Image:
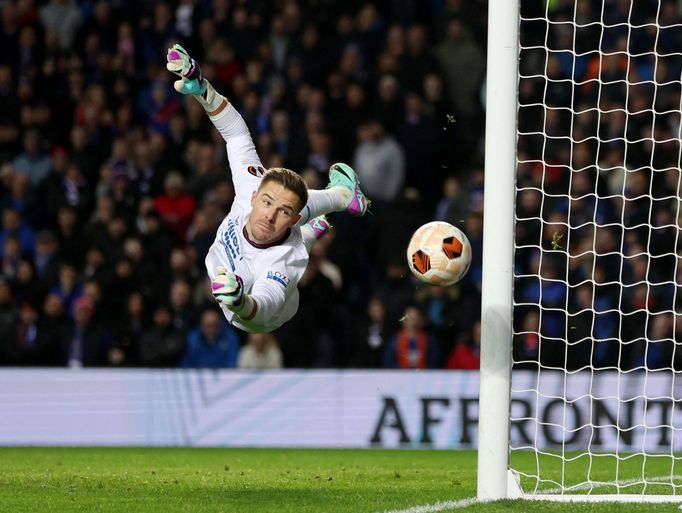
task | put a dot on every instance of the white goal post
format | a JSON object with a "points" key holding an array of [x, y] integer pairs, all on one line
{"points": [[498, 244], [581, 319]]}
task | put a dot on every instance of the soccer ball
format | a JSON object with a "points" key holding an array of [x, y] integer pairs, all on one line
{"points": [[439, 253]]}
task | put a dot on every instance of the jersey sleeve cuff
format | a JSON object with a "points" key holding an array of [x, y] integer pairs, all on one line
{"points": [[248, 310]]}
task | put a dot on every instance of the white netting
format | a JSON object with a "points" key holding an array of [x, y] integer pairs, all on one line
{"points": [[597, 323]]}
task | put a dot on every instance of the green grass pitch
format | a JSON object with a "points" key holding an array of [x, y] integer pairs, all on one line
{"points": [[254, 481]]}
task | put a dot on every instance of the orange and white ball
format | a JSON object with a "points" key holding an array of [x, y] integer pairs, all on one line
{"points": [[439, 253]]}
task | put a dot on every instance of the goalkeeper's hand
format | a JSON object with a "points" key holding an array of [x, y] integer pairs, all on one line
{"points": [[179, 62], [191, 80], [228, 290]]}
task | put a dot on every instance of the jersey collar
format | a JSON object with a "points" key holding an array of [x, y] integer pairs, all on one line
{"points": [[257, 245]]}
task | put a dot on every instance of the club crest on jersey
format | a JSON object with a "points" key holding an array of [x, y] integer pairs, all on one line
{"points": [[278, 277], [256, 171]]}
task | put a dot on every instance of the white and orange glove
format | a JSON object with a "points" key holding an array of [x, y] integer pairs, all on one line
{"points": [[191, 80]]}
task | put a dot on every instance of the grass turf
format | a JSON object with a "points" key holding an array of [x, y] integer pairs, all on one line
{"points": [[251, 481]]}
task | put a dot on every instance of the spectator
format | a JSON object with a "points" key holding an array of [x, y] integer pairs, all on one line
{"points": [[200, 234], [100, 24], [28, 287], [205, 171], [388, 108], [69, 286], [117, 183], [443, 313], [130, 328], [64, 17], [22, 198], [21, 343], [463, 65], [660, 346], [156, 104], [526, 342], [46, 258], [416, 62], [593, 336], [157, 241], [466, 355], [162, 345], [87, 343], [54, 328], [148, 282], [70, 240], [453, 205], [176, 207], [34, 161], [412, 347], [183, 311], [417, 134], [550, 293], [394, 225], [51, 188], [396, 292], [261, 351], [11, 256], [9, 109], [373, 337], [84, 153], [380, 162], [14, 226], [9, 314], [97, 267], [473, 228], [346, 118], [213, 345]]}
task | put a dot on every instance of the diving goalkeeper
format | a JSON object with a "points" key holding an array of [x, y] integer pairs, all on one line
{"points": [[261, 249]]}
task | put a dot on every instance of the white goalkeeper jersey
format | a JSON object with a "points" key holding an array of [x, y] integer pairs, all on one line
{"points": [[270, 272]]}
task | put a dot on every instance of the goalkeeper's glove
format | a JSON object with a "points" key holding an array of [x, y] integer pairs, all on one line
{"points": [[228, 290], [191, 80]]}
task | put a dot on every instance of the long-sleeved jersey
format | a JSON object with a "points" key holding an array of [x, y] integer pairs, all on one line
{"points": [[270, 273]]}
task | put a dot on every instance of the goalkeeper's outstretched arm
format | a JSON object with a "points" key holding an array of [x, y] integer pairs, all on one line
{"points": [[241, 151], [258, 311]]}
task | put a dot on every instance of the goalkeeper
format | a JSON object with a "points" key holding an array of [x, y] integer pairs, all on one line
{"points": [[261, 249]]}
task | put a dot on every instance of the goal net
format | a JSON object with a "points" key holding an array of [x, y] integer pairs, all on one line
{"points": [[596, 391]]}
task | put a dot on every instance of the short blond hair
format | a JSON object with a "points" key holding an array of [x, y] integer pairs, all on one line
{"points": [[289, 179]]}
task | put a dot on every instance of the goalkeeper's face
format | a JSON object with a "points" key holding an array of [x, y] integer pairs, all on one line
{"points": [[275, 210]]}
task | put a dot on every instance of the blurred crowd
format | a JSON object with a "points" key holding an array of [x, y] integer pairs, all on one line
{"points": [[112, 184], [599, 186]]}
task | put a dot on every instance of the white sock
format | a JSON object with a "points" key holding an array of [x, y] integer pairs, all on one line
{"points": [[308, 236], [325, 201]]}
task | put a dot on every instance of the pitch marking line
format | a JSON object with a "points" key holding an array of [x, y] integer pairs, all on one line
{"points": [[438, 506], [464, 503], [622, 482]]}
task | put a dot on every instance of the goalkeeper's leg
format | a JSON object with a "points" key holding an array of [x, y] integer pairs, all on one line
{"points": [[314, 230], [342, 194]]}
